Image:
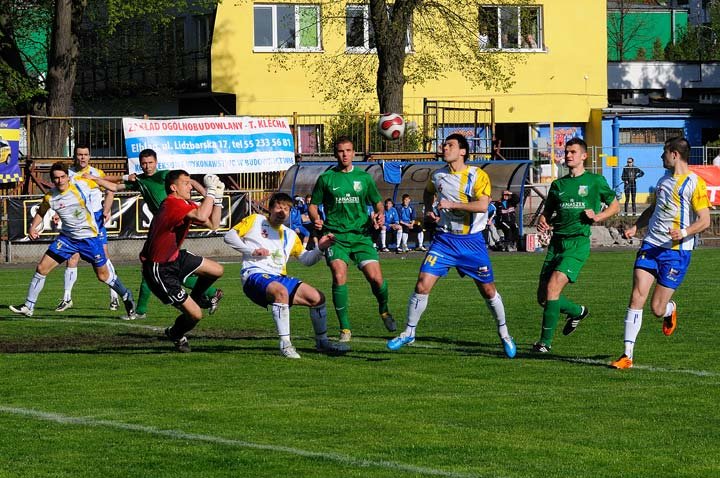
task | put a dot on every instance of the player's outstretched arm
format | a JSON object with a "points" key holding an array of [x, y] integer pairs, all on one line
{"points": [[104, 182], [309, 258]]}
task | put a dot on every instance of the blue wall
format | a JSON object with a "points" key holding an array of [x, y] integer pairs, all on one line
{"points": [[647, 156]]}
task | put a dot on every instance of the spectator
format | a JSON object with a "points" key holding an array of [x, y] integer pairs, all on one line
{"points": [[630, 174], [508, 219], [392, 223], [409, 224], [496, 146], [492, 238]]}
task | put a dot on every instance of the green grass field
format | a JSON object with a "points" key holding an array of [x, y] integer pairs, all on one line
{"points": [[87, 395]]}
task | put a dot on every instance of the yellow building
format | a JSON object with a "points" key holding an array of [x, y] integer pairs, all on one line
{"points": [[560, 79]]}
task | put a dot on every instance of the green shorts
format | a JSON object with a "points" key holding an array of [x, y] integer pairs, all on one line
{"points": [[352, 247], [566, 255]]}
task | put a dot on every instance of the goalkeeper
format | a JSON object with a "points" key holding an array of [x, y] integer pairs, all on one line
{"points": [[164, 264], [151, 185]]}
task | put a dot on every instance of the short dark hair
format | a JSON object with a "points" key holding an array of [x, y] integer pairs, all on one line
{"points": [[58, 166], [680, 145], [405, 196], [146, 153], [462, 142], [280, 197], [340, 140], [579, 141], [172, 177], [80, 146]]}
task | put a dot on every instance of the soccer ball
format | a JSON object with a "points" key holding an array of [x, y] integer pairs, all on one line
{"points": [[391, 126]]}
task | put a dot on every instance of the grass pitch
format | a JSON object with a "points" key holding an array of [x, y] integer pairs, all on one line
{"points": [[84, 394]]}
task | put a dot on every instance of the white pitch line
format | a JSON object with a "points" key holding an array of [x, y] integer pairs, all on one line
{"points": [[181, 435], [647, 368]]}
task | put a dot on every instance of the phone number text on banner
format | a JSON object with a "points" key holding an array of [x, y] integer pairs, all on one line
{"points": [[212, 145]]}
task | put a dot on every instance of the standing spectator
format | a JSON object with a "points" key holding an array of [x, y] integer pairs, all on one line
{"points": [[75, 206], [680, 211], [574, 203], [392, 223], [345, 191], [464, 193], [507, 216], [630, 174], [496, 147], [409, 223]]}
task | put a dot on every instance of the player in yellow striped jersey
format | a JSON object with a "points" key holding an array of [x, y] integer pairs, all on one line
{"points": [[102, 209], [266, 245], [681, 211], [463, 194], [78, 234]]}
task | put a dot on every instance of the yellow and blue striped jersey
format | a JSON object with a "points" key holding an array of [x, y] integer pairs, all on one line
{"points": [[464, 186], [75, 208], [678, 198], [95, 190], [282, 242]]}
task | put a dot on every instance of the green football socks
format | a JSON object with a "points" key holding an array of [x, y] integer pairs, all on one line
{"points": [[382, 295], [340, 301], [551, 316], [569, 307]]}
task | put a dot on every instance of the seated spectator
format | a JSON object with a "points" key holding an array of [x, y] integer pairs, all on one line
{"points": [[392, 223], [409, 224], [492, 237], [296, 223]]}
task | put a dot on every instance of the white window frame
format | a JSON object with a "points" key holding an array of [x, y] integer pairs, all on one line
{"points": [[539, 41], [274, 47], [365, 8]]}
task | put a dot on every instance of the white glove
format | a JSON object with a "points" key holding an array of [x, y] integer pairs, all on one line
{"points": [[219, 192], [211, 181]]}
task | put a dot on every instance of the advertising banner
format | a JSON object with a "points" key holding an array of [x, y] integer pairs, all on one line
{"points": [[9, 150], [131, 217], [711, 175], [218, 145]]}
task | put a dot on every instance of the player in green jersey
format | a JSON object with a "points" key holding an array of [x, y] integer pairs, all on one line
{"points": [[345, 192], [573, 204], [151, 185]]}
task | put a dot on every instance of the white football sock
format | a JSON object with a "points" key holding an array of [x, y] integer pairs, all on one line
{"points": [[281, 315], [36, 286], [416, 306], [70, 278], [111, 267], [398, 239], [421, 238], [669, 308], [404, 240], [633, 322], [497, 309], [383, 237]]}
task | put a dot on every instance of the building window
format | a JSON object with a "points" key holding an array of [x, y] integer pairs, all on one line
{"points": [[511, 28], [285, 27], [359, 34], [648, 135]]}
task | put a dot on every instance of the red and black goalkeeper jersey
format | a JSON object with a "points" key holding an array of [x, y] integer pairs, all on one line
{"points": [[168, 230]]}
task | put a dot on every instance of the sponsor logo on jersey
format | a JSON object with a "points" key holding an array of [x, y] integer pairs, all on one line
{"points": [[357, 186], [583, 190], [347, 199], [573, 205]]}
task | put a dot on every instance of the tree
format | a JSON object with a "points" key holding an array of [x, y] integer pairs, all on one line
{"points": [[450, 41], [641, 54], [658, 53], [626, 30], [49, 93]]}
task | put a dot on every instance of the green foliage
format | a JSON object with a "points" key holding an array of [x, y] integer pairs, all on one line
{"points": [[641, 54], [658, 53], [451, 405]]}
